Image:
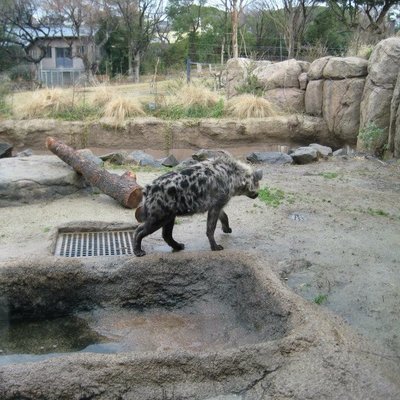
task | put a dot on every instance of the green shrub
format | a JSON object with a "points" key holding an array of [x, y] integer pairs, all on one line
{"points": [[250, 86], [371, 135]]}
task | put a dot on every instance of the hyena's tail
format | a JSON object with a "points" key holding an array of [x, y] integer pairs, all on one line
{"points": [[140, 213]]}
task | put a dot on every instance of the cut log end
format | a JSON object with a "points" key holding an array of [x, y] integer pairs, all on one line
{"points": [[134, 198]]}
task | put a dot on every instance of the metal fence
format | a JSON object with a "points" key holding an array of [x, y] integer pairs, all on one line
{"points": [[61, 77]]}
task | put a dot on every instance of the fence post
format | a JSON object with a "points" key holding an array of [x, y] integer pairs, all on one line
{"points": [[188, 70]]}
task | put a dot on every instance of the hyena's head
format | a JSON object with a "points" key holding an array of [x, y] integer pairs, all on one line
{"points": [[250, 182]]}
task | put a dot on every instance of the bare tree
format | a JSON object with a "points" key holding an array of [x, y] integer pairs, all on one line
{"points": [[139, 19], [365, 18], [25, 25], [291, 18], [235, 9]]}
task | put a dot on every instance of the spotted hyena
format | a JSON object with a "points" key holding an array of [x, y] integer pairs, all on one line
{"points": [[205, 186]]}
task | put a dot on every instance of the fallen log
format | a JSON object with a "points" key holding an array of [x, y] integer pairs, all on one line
{"points": [[124, 188]]}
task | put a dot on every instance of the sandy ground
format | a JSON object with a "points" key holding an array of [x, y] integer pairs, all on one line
{"points": [[334, 238]]}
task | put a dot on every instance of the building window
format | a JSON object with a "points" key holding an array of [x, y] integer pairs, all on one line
{"points": [[63, 57], [80, 50], [47, 52]]}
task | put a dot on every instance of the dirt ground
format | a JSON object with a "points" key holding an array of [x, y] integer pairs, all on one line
{"points": [[334, 237]]}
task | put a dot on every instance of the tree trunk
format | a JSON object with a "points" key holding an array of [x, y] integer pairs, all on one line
{"points": [[235, 22], [136, 68], [123, 188]]}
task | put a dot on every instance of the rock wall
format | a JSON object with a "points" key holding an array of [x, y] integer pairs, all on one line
{"points": [[380, 102], [350, 94]]}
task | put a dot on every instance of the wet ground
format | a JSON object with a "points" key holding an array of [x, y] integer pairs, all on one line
{"points": [[333, 238]]}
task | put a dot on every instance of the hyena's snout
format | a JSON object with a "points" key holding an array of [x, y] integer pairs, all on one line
{"points": [[252, 192]]}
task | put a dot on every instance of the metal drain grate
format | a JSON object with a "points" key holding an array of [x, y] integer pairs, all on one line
{"points": [[93, 244]]}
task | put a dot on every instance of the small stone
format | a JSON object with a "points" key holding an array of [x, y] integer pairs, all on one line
{"points": [[88, 155], [117, 158], [143, 159], [305, 155], [169, 161], [323, 151]]}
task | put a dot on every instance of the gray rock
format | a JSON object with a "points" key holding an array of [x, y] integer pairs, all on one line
{"points": [[303, 80], [25, 153], [341, 107], [88, 155], [5, 150], [205, 154], [115, 157], [313, 97], [284, 74], [287, 99], [345, 67], [292, 341], [143, 159], [323, 151], [273, 157], [377, 107], [304, 155], [317, 67], [27, 179], [169, 161]]}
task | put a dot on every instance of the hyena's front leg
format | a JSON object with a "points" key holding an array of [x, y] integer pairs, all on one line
{"points": [[212, 219], [167, 236], [225, 222]]}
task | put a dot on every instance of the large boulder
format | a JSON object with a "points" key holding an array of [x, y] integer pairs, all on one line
{"points": [[283, 74], [376, 104], [341, 107], [269, 157], [288, 99], [235, 74], [394, 126], [26, 179], [345, 67], [313, 97], [317, 68]]}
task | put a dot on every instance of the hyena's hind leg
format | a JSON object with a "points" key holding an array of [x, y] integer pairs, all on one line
{"points": [[167, 235], [144, 230], [212, 219], [225, 222]]}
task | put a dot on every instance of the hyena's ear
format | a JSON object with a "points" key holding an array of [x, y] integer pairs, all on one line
{"points": [[258, 175]]}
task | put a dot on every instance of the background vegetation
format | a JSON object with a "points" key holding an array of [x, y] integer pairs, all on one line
{"points": [[133, 36]]}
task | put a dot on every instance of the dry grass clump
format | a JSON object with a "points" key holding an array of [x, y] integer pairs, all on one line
{"points": [[44, 102], [119, 108], [194, 96], [101, 96], [250, 106]]}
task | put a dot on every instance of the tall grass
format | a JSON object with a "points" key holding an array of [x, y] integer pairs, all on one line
{"points": [[250, 106], [43, 103], [118, 109]]}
